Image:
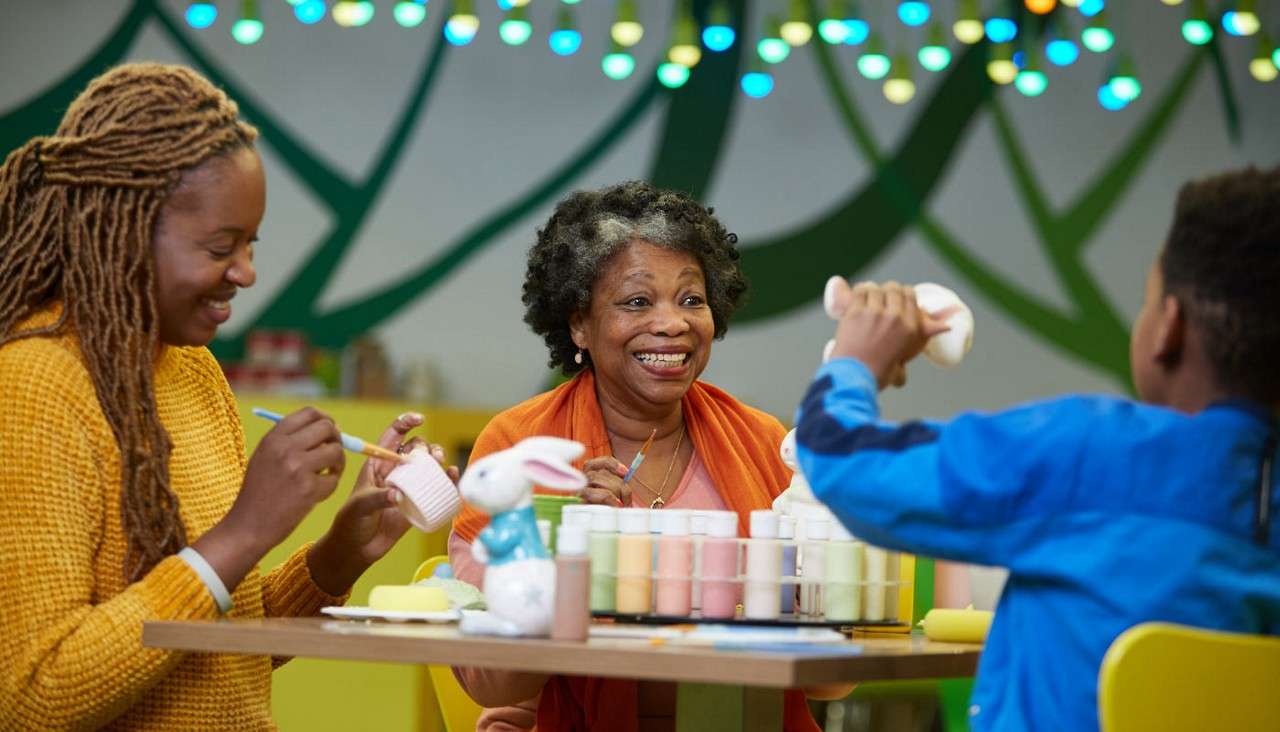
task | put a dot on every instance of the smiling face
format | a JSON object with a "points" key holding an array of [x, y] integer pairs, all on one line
{"points": [[649, 328], [203, 245]]}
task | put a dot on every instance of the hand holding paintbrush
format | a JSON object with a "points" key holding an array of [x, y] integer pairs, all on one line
{"points": [[608, 480]]}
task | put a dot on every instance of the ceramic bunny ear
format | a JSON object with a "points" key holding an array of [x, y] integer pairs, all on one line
{"points": [[549, 472], [835, 297], [567, 450], [828, 349]]}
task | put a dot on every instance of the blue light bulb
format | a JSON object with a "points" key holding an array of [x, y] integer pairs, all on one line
{"points": [[1108, 99], [718, 37], [201, 15], [1061, 52], [913, 13], [858, 31], [309, 12], [1090, 8], [1001, 30], [757, 84], [565, 42]]}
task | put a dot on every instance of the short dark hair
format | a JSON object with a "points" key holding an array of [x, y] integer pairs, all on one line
{"points": [[589, 227], [1222, 262]]}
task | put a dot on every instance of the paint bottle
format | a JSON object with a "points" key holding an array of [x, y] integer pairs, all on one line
{"points": [[573, 585], [720, 565], [842, 576], [876, 574], [697, 531], [576, 514], [635, 562], [813, 560], [787, 535], [764, 567], [655, 533], [603, 547], [675, 565]]}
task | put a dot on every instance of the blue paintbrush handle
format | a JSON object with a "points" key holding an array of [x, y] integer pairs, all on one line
{"points": [[350, 442]]}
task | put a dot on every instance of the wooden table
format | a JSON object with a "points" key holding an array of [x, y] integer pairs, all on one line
{"points": [[718, 689]]}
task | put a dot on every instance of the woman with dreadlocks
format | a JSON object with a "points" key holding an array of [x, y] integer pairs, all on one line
{"points": [[125, 494]]}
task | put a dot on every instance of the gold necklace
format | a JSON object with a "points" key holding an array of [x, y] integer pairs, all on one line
{"points": [[658, 500]]}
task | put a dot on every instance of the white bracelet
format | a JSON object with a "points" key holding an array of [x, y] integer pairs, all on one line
{"points": [[211, 580]]}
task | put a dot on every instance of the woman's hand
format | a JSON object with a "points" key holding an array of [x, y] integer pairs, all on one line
{"points": [[368, 524], [604, 482], [884, 328], [295, 466]]}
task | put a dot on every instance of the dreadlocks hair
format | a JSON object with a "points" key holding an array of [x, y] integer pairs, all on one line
{"points": [[1222, 261], [77, 213]]}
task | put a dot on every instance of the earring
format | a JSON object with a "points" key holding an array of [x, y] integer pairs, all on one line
{"points": [[577, 357]]}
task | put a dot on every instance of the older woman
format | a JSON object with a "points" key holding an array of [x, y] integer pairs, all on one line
{"points": [[629, 286]]}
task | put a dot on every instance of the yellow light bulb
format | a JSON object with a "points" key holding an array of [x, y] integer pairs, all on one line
{"points": [[685, 55], [1171, 2], [627, 33], [796, 33], [899, 91], [968, 31], [1263, 69], [1002, 71]]}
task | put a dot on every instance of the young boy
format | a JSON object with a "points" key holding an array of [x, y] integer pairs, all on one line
{"points": [[1107, 512]]}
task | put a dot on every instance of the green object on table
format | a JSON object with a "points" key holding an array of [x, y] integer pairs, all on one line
{"points": [[549, 507], [923, 589]]}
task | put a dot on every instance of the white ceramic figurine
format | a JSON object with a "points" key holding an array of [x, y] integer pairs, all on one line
{"points": [[946, 349], [520, 576]]}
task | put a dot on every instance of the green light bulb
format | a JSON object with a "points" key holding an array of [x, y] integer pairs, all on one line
{"points": [[773, 50], [1197, 32], [1031, 82], [617, 65], [409, 13], [1098, 40], [673, 76], [934, 58], [247, 31]]}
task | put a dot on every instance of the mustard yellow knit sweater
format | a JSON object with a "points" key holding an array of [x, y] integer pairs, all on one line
{"points": [[71, 653]]}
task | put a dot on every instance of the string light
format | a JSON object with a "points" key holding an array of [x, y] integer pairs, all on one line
{"points": [[719, 34], [515, 29], [1196, 28], [410, 13], [565, 40], [1041, 7], [1263, 64], [1000, 67], [617, 64], [626, 30], [1030, 80], [1124, 80], [248, 28], [1090, 8], [899, 88], [1071, 3], [1001, 30], [859, 29], [934, 55], [352, 13], [1171, 2], [1060, 49], [913, 13], [309, 12], [1109, 100], [771, 48], [1096, 36], [1243, 20], [797, 30], [873, 63], [757, 83], [673, 76], [968, 28], [462, 26], [201, 15], [834, 28], [684, 48]]}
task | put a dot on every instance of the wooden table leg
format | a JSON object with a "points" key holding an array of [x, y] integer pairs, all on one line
{"points": [[721, 708]]}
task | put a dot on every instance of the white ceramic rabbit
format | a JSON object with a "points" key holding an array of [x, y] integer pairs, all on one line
{"points": [[945, 349], [520, 577]]}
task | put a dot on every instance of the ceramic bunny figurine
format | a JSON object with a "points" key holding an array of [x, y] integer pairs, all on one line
{"points": [[945, 349], [520, 579]]}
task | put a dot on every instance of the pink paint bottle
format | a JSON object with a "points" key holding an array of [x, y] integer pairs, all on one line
{"points": [[675, 565], [720, 565], [572, 617]]}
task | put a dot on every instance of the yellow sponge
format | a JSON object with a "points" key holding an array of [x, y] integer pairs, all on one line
{"points": [[408, 598]]}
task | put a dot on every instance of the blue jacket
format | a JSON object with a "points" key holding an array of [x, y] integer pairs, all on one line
{"points": [[1106, 512]]}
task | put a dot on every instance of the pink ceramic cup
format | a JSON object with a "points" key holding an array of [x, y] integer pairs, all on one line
{"points": [[427, 497]]}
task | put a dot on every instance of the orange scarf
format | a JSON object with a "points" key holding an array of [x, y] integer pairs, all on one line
{"points": [[739, 447]]}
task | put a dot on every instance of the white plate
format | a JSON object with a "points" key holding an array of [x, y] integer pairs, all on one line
{"points": [[395, 616]]}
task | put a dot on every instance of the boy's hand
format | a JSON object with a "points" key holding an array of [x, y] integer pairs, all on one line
{"points": [[883, 328]]}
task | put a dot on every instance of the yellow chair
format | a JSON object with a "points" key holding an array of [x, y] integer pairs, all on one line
{"points": [[1160, 676], [457, 709]]}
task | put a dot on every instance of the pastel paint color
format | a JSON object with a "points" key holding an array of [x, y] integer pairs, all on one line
{"points": [[572, 619], [876, 572], [764, 568], [787, 533], [635, 561], [602, 545], [842, 574], [697, 532], [675, 565], [720, 552], [813, 561]]}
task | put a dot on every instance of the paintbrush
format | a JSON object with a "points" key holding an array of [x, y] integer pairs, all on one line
{"points": [[350, 442], [639, 458]]}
